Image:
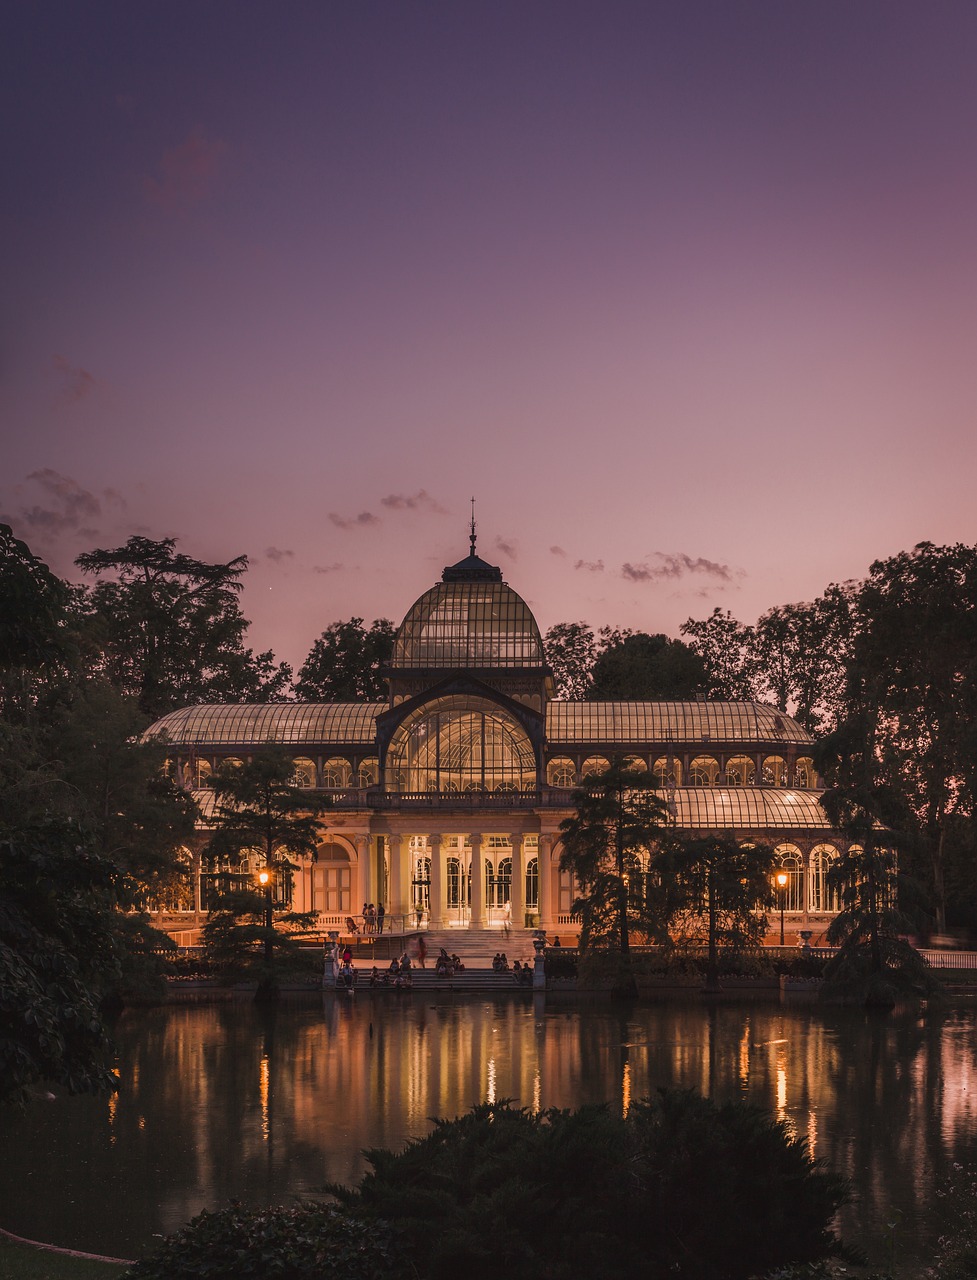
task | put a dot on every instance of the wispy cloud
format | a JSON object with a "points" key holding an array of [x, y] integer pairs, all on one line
{"points": [[507, 547], [592, 566], [76, 382], [62, 505], [363, 520], [420, 501], [185, 173], [276, 555], [667, 567], [326, 568], [557, 551]]}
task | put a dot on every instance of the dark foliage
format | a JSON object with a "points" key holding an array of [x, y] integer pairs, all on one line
{"points": [[682, 1187], [60, 952], [641, 666], [346, 663], [302, 1242]]}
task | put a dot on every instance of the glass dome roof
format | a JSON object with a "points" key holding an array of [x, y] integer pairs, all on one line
{"points": [[470, 619]]}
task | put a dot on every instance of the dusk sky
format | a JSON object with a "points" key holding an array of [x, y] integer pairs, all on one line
{"points": [[684, 293]]}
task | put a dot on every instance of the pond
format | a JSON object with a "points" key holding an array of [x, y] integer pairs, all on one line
{"points": [[229, 1100]]}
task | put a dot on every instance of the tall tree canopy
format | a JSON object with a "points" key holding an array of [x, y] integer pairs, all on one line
{"points": [[172, 630], [571, 650], [346, 663], [636, 666], [258, 806], [607, 844], [911, 693]]}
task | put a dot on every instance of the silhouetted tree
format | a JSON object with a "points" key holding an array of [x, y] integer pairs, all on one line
{"points": [[172, 630], [346, 662], [571, 650], [636, 666]]}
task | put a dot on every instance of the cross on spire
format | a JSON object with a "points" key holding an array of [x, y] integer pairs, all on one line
{"points": [[472, 534]]}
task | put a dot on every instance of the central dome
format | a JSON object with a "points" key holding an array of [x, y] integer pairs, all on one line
{"points": [[470, 619]]}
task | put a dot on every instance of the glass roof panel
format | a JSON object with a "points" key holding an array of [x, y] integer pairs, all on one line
{"points": [[631, 723], [285, 723], [468, 624], [756, 808]]}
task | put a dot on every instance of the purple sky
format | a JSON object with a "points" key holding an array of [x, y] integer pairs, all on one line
{"points": [[685, 293]]}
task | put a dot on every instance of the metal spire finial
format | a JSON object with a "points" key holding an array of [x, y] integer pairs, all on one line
{"points": [[472, 534]]}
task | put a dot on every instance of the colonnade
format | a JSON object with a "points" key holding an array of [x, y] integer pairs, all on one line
{"points": [[390, 857]]}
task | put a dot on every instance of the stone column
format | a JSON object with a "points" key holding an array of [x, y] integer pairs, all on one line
{"points": [[364, 887], [547, 912], [436, 914], [478, 882], [399, 903], [517, 895]]}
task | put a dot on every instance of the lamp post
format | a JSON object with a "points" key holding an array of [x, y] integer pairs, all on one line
{"points": [[782, 890], [265, 878]]}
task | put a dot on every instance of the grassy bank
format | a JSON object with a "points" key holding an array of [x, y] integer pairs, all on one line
{"points": [[25, 1262]]}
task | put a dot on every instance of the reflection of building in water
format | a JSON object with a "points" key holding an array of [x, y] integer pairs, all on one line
{"points": [[447, 798]]}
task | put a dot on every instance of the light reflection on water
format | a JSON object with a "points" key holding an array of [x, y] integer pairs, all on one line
{"points": [[230, 1101]]}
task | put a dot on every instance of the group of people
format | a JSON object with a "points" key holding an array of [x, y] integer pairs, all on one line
{"points": [[445, 966], [397, 974], [373, 917]]}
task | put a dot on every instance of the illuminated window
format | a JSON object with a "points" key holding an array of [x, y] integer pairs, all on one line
{"points": [[774, 771], [337, 773], [368, 773], [740, 771], [560, 772], [594, 765], [790, 859], [824, 896], [804, 774], [532, 884], [303, 774], [703, 771], [668, 771], [461, 744]]}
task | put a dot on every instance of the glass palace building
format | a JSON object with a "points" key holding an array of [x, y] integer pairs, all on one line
{"points": [[446, 799]]}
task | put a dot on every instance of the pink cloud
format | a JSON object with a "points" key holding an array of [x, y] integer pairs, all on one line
{"points": [[363, 520], [186, 172], [76, 382], [421, 500]]}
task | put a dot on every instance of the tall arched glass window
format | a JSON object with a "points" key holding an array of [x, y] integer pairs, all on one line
{"points": [[824, 896], [458, 744], [740, 771], [668, 771], [790, 859]]}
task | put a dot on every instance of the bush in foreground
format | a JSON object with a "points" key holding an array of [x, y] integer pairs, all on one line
{"points": [[682, 1187], [301, 1242]]}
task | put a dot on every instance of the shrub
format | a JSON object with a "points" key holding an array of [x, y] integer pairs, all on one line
{"points": [[681, 1188], [303, 1242]]}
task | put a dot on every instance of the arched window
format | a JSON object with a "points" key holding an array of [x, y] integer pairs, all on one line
{"points": [[704, 771], [804, 774], [774, 771], [824, 896], [459, 744], [740, 771], [336, 773], [560, 772], [668, 771], [635, 763], [594, 765], [303, 774], [202, 773], [790, 859], [368, 772]]}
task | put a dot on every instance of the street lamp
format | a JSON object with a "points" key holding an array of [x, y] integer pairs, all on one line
{"points": [[265, 878], [782, 887]]}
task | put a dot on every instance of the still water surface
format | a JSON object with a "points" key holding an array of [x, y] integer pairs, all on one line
{"points": [[228, 1100]]}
